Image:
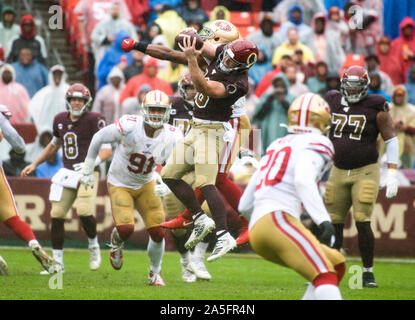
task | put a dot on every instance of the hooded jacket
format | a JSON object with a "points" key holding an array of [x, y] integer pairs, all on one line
{"points": [[410, 85], [27, 40], [49, 101], [260, 69], [15, 97], [304, 31], [399, 45], [107, 99], [133, 85], [8, 32], [112, 57], [391, 65]]}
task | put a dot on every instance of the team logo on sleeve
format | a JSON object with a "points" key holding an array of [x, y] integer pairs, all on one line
{"points": [[101, 123], [231, 88]]}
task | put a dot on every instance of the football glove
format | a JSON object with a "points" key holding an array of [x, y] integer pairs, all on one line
{"points": [[87, 172], [161, 189], [391, 183], [78, 166], [128, 44], [327, 233]]}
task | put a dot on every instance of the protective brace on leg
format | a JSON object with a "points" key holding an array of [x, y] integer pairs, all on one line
{"points": [[125, 231], [122, 209], [157, 234]]}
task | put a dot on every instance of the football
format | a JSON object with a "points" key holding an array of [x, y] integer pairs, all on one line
{"points": [[189, 34]]}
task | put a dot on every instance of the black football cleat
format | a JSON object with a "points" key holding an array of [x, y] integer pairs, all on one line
{"points": [[369, 280]]}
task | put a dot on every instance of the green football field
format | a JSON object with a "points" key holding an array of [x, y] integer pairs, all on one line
{"points": [[234, 277]]}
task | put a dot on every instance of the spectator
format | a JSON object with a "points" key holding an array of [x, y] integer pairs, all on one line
{"points": [[156, 7], [161, 40], [29, 72], [308, 7], [271, 111], [304, 70], [15, 164], [133, 105], [14, 95], [50, 100], [237, 5], [8, 28], [319, 81], [288, 47], [410, 85], [220, 13], [152, 31], [28, 39], [172, 73], [190, 11], [337, 25], [266, 82], [326, 44], [404, 46], [136, 67], [372, 65], [53, 163], [251, 99], [296, 87], [195, 24], [149, 76], [170, 24], [394, 11], [332, 83], [389, 63], [266, 36], [261, 67], [103, 34], [90, 12], [139, 10], [376, 84], [403, 115], [296, 21], [114, 56], [35, 149], [107, 99]]}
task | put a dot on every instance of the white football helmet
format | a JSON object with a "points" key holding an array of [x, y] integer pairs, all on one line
{"points": [[156, 99]]}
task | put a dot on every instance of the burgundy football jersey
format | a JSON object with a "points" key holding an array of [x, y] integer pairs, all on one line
{"points": [[220, 109], [180, 114], [354, 130], [75, 136]]}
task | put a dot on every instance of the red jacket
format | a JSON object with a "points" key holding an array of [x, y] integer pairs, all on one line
{"points": [[400, 44]]}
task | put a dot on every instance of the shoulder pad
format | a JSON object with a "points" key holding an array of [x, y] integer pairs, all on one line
{"points": [[377, 102], [126, 123]]}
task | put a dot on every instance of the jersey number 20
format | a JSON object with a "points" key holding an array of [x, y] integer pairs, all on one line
{"points": [[275, 167]]}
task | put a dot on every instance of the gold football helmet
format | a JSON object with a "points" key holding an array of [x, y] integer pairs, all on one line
{"points": [[219, 32], [308, 113], [154, 103]]}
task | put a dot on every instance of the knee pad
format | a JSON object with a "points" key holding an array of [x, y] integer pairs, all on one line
{"points": [[57, 212], [367, 192], [325, 278], [125, 231], [156, 234], [83, 208], [340, 270]]}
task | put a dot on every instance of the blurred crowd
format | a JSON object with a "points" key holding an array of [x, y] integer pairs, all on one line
{"points": [[304, 45]]}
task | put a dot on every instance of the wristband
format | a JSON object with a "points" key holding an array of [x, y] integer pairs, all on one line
{"points": [[140, 46]]}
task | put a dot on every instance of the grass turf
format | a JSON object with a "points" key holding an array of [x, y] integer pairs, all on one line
{"points": [[234, 277]]}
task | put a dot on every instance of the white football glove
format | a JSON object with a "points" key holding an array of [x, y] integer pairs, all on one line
{"points": [[78, 166], [391, 183], [87, 172], [161, 189]]}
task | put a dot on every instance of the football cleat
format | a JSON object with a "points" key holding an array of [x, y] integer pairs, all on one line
{"points": [[177, 223], [59, 268], [224, 244], [202, 225], [4, 270], [50, 265], [198, 268], [369, 280], [94, 258], [187, 274], [155, 279], [116, 251], [243, 237]]}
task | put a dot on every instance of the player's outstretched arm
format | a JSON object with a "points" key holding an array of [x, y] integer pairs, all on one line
{"points": [[50, 149]]}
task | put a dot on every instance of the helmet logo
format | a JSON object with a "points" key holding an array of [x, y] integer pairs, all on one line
{"points": [[252, 58], [223, 26]]}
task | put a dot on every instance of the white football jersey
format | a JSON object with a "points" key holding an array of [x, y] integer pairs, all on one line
{"points": [[275, 184], [136, 156]]}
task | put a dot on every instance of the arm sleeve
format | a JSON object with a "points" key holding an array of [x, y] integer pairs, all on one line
{"points": [[106, 135], [11, 135], [246, 203], [308, 168], [392, 151]]}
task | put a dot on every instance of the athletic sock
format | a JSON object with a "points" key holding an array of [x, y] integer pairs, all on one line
{"points": [[155, 251], [327, 292], [93, 242], [20, 228]]}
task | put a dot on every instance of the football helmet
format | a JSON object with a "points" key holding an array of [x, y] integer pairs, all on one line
{"points": [[243, 54], [308, 113], [156, 99], [219, 31], [184, 82], [78, 90], [354, 84]]}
